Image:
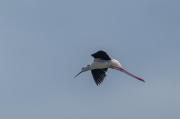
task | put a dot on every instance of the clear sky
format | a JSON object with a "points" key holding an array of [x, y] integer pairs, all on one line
{"points": [[45, 43]]}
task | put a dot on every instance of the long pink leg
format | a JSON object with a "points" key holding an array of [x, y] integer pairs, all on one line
{"points": [[120, 69]]}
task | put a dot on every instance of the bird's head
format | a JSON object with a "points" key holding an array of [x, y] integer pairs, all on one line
{"points": [[86, 68]]}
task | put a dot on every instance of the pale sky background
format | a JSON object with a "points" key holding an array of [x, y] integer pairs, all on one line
{"points": [[45, 43]]}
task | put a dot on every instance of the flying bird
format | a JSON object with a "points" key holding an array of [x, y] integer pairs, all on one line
{"points": [[100, 66]]}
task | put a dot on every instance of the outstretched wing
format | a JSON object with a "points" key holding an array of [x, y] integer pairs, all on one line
{"points": [[99, 75], [101, 54]]}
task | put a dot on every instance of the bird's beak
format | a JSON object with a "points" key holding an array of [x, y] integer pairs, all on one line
{"points": [[78, 74]]}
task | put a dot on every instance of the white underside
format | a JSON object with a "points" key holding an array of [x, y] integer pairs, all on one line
{"points": [[100, 64]]}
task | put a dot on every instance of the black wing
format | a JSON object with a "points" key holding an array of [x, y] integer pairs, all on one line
{"points": [[99, 75], [101, 54]]}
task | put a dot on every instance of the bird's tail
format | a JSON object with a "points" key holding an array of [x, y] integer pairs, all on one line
{"points": [[115, 63]]}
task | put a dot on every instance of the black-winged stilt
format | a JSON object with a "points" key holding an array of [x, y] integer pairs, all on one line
{"points": [[100, 66]]}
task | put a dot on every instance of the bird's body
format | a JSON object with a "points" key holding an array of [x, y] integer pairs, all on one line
{"points": [[100, 66]]}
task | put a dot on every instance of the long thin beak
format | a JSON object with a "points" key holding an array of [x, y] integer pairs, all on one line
{"points": [[78, 74], [120, 69]]}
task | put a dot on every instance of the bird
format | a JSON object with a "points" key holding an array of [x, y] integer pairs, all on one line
{"points": [[100, 66]]}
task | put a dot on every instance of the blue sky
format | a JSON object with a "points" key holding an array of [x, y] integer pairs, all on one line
{"points": [[44, 44]]}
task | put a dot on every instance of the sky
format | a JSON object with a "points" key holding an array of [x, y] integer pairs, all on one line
{"points": [[44, 44]]}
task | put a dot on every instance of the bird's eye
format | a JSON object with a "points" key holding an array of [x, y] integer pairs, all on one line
{"points": [[82, 68]]}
